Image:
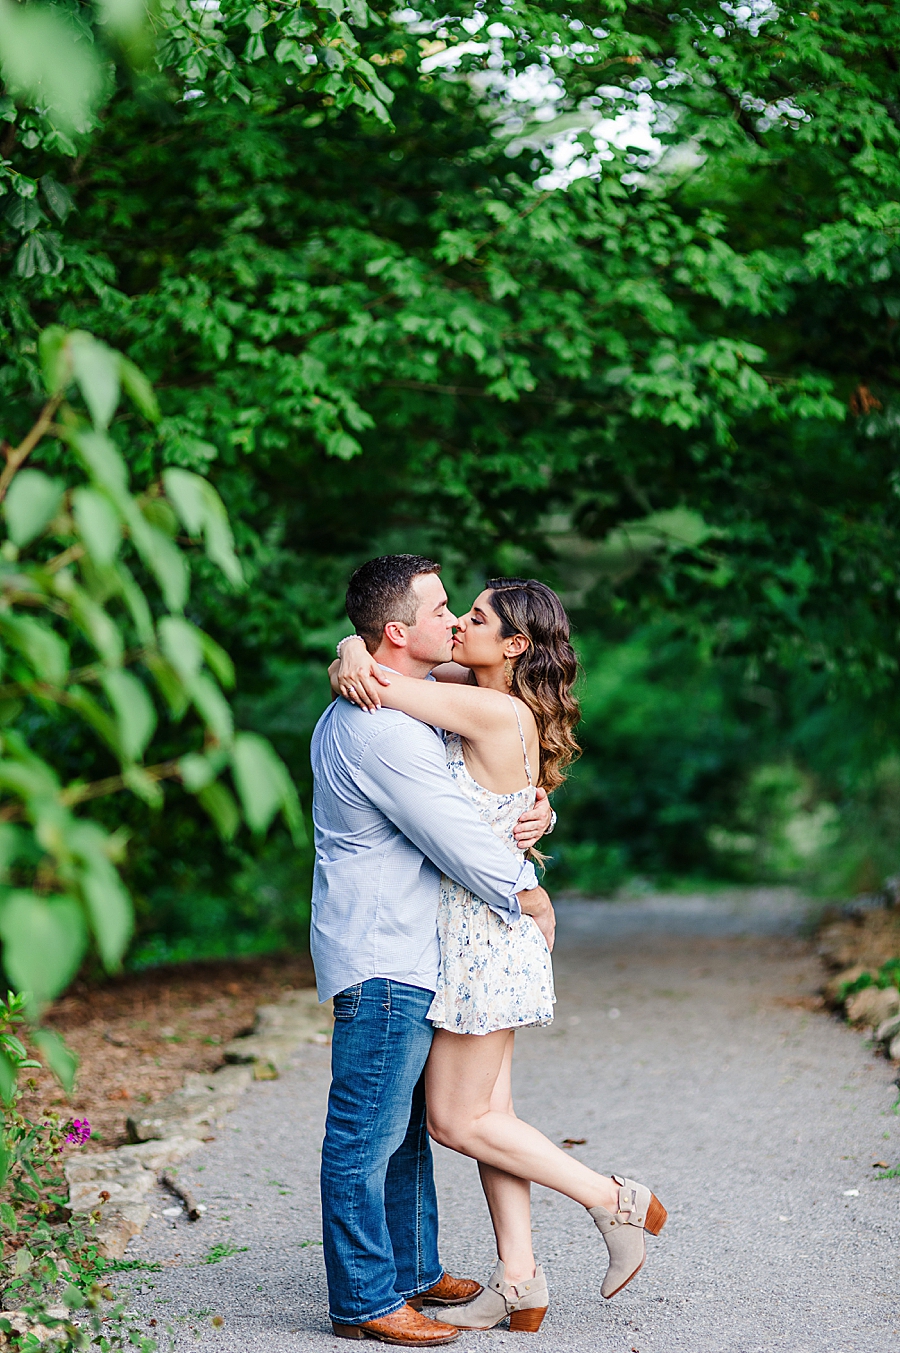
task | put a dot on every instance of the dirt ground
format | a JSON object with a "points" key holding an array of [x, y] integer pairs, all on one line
{"points": [[138, 1034]]}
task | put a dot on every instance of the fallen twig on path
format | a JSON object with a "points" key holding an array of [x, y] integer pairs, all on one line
{"points": [[194, 1209]]}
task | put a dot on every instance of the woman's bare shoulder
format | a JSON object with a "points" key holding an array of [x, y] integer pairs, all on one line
{"points": [[525, 714]]}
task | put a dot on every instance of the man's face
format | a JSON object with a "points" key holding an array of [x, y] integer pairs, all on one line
{"points": [[430, 638]]}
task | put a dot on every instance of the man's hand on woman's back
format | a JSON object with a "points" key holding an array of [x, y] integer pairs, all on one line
{"points": [[534, 824], [535, 902]]}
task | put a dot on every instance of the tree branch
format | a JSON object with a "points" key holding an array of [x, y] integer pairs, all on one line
{"points": [[16, 456], [97, 789]]}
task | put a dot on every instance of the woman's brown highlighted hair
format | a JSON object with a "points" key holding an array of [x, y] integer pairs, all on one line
{"points": [[543, 676]]}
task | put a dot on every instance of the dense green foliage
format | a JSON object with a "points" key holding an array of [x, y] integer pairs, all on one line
{"points": [[669, 388], [85, 564]]}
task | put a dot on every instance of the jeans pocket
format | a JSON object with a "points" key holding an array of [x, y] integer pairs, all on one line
{"points": [[346, 1003]]}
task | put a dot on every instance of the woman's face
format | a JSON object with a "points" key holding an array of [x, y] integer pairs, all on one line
{"points": [[477, 641]]}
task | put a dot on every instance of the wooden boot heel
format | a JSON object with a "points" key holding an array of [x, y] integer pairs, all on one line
{"points": [[527, 1322], [656, 1216]]}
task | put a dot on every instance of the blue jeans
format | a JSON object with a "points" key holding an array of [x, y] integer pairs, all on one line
{"points": [[379, 1207]]}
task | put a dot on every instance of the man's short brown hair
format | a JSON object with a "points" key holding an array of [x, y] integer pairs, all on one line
{"points": [[382, 590]]}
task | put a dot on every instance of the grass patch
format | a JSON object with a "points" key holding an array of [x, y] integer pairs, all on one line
{"points": [[223, 1251]]}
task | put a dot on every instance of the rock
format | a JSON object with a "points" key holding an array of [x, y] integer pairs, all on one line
{"points": [[192, 1111], [869, 937], [305, 997], [155, 1155], [115, 1229], [278, 1032], [232, 1079], [873, 1005], [264, 1050], [128, 1186], [832, 989], [894, 1048], [23, 1324], [887, 1028], [297, 1014]]}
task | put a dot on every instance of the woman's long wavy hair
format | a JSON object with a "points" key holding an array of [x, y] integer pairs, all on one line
{"points": [[543, 676]]}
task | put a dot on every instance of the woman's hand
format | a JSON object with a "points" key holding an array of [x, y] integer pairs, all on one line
{"points": [[358, 676]]}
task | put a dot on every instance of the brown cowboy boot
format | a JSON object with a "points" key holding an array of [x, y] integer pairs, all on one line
{"points": [[447, 1292], [405, 1326]]}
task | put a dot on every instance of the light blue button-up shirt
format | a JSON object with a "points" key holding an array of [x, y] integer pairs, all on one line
{"points": [[388, 822]]}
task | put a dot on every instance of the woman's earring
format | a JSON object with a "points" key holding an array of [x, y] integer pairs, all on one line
{"points": [[508, 673]]}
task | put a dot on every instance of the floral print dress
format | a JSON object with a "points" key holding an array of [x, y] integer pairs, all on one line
{"points": [[492, 975]]}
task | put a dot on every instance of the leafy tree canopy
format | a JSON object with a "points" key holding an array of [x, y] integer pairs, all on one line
{"points": [[607, 293]]}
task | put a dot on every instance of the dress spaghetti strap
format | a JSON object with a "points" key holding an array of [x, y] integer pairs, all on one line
{"points": [[522, 739]]}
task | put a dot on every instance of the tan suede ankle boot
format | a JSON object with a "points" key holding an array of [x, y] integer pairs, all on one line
{"points": [[525, 1303], [639, 1210]]}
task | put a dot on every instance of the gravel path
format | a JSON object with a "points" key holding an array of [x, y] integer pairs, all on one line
{"points": [[685, 1053]]}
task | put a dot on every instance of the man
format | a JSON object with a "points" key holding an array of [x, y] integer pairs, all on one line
{"points": [[388, 821]]}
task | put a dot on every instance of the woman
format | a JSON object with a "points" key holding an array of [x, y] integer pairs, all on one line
{"points": [[506, 706]]}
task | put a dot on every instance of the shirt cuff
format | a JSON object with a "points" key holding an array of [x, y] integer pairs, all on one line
{"points": [[527, 879]]}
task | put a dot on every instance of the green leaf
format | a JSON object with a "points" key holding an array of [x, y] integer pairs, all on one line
{"points": [[98, 524], [59, 1057], [223, 810], [23, 214], [134, 711], [46, 61], [7, 1213], [186, 492], [102, 460], [9, 1079], [169, 684], [13, 841], [217, 660], [124, 18], [55, 365], [94, 714], [95, 369], [39, 254], [181, 642], [166, 560], [196, 772], [108, 904], [203, 512], [44, 941], [137, 387], [59, 199], [212, 707], [33, 500], [263, 783], [97, 625], [136, 603], [358, 12], [109, 908], [43, 649], [22, 1262]]}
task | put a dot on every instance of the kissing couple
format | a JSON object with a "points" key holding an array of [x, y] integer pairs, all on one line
{"points": [[433, 937]]}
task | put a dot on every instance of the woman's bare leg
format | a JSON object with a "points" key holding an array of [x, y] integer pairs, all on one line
{"points": [[508, 1197], [461, 1074]]}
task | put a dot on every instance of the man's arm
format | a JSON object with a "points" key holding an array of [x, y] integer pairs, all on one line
{"points": [[403, 772]]}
